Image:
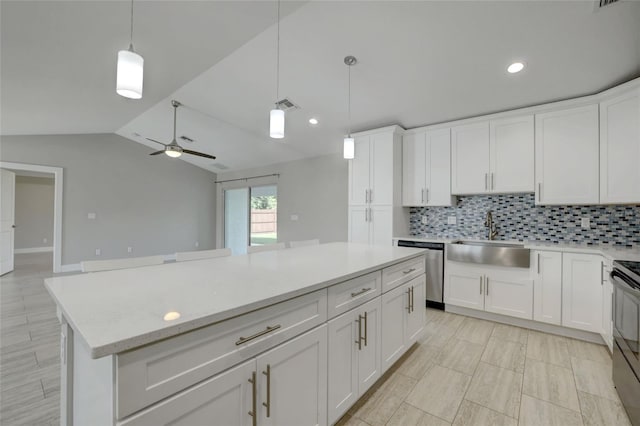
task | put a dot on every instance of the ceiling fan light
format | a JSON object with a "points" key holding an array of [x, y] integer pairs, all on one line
{"points": [[173, 154], [276, 124], [130, 72], [349, 148]]}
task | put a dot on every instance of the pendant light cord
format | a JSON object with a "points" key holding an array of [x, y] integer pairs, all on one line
{"points": [[349, 100], [277, 57], [175, 113], [131, 31]]}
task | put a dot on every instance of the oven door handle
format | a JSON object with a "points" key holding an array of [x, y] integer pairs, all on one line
{"points": [[625, 283]]}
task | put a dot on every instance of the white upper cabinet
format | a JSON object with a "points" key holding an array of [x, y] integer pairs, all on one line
{"points": [[470, 159], [493, 156], [426, 178], [371, 171], [512, 153], [567, 154], [620, 149], [359, 171]]}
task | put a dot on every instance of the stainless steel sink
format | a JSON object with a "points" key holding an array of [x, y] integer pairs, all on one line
{"points": [[490, 253]]}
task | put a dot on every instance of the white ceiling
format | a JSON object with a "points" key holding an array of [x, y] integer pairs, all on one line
{"points": [[419, 63]]}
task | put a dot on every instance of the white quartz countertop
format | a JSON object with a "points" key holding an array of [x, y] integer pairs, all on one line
{"points": [[119, 310]]}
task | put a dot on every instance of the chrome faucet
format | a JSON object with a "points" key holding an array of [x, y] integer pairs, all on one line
{"points": [[489, 223]]}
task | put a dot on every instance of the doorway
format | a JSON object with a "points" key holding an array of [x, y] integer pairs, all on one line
{"points": [[250, 217]]}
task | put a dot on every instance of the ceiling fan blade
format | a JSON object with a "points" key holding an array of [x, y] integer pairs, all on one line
{"points": [[153, 140], [157, 152], [199, 154]]}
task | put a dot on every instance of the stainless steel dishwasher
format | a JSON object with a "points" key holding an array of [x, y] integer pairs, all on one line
{"points": [[434, 270]]}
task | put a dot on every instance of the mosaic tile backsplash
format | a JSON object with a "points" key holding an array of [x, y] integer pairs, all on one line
{"points": [[518, 218]]}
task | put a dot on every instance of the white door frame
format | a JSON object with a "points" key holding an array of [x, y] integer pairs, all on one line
{"points": [[57, 204]]}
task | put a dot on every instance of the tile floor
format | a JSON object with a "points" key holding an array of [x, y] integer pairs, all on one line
{"points": [[464, 371], [467, 371]]}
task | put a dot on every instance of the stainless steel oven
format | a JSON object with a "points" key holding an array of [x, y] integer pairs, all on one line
{"points": [[626, 332]]}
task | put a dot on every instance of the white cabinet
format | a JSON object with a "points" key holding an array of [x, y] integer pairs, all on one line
{"points": [[607, 306], [403, 316], [426, 168], [511, 146], [567, 156], [493, 156], [547, 286], [506, 291], [582, 276], [620, 149], [227, 398], [292, 382], [354, 356], [375, 193]]}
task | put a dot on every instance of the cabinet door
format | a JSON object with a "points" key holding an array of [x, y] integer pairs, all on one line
{"points": [[414, 159], [464, 287], [470, 159], [567, 156], [359, 170], [381, 221], [359, 224], [227, 398], [343, 364], [512, 153], [607, 307], [509, 293], [416, 315], [582, 291], [369, 360], [295, 389], [381, 172], [620, 149], [394, 306], [547, 286], [438, 176]]}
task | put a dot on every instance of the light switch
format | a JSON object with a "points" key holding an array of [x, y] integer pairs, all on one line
{"points": [[452, 220], [91, 216], [129, 249], [196, 244], [98, 252], [44, 240], [294, 217]]}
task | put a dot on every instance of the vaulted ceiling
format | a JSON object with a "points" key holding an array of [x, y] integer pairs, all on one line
{"points": [[419, 63]]}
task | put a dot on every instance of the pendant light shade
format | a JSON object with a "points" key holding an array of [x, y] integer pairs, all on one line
{"points": [[276, 124], [129, 74], [349, 150], [130, 70]]}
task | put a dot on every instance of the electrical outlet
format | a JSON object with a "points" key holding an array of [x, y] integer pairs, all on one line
{"points": [[98, 252], [129, 249], [424, 220], [294, 217], [452, 220], [585, 223], [91, 216], [196, 244], [44, 240]]}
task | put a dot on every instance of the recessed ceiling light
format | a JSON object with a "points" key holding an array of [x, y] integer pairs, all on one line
{"points": [[171, 316], [515, 67], [313, 121]]}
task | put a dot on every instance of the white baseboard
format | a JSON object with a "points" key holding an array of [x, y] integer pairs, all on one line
{"points": [[72, 267], [33, 250]]}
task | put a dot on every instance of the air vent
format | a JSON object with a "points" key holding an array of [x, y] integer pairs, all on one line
{"points": [[602, 3], [186, 139], [219, 166], [286, 105]]}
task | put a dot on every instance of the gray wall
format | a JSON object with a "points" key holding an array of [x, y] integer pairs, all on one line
{"points": [[34, 212], [315, 189], [156, 205]]}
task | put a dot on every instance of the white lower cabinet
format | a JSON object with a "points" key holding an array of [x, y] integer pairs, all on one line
{"points": [[547, 286], [582, 276], [607, 307], [506, 291], [354, 356], [403, 316]]}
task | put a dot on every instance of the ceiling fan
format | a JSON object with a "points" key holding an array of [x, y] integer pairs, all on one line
{"points": [[172, 149]]}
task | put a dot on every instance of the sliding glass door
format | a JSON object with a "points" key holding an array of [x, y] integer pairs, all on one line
{"points": [[250, 217]]}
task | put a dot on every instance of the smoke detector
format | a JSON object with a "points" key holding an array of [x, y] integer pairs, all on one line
{"points": [[286, 105]]}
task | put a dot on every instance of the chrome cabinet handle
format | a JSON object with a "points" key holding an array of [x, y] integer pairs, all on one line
{"points": [[601, 273], [427, 191], [371, 195], [242, 340], [370, 214], [486, 287], [538, 263], [412, 300], [492, 185], [358, 293], [408, 300], [486, 181], [480, 285], [409, 271], [359, 339], [366, 334], [366, 215], [540, 191], [252, 413], [268, 403], [366, 195], [422, 194]]}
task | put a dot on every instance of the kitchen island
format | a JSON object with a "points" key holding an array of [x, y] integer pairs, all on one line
{"points": [[291, 336]]}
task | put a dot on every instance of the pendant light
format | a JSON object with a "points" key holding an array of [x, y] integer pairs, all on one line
{"points": [[349, 148], [129, 70], [276, 118]]}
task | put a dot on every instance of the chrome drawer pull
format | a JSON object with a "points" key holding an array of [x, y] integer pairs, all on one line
{"points": [[358, 293], [242, 340], [253, 413], [359, 341], [409, 271], [268, 403]]}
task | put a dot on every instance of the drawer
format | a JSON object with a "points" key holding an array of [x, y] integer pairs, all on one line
{"points": [[402, 272], [151, 373], [349, 294]]}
